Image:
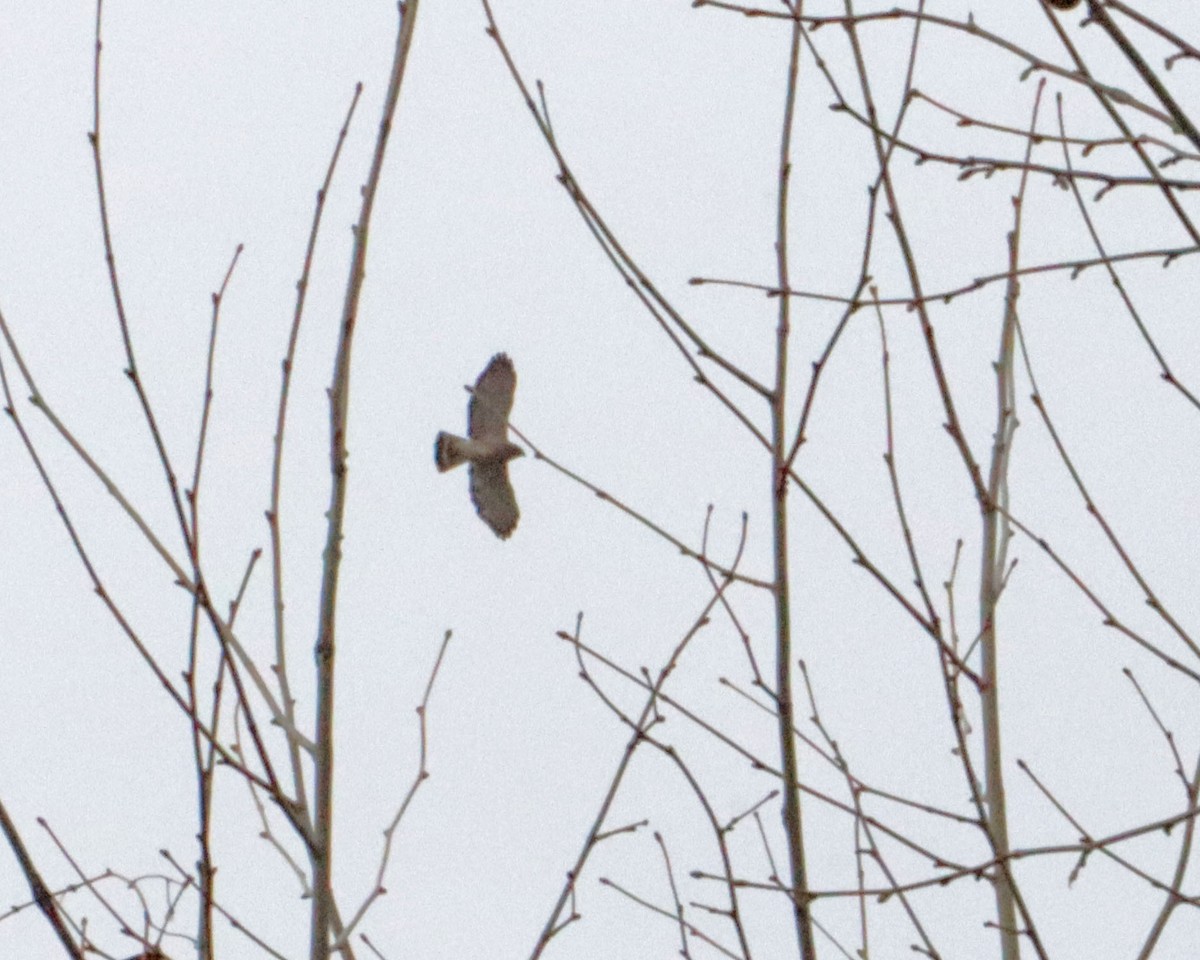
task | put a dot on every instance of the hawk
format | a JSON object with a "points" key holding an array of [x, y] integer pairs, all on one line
{"points": [[488, 450]]}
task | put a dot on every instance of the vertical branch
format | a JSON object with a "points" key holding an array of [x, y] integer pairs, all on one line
{"points": [[321, 849], [287, 701], [204, 764], [996, 535], [792, 821], [990, 804]]}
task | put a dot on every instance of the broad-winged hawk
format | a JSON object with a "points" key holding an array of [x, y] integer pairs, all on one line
{"points": [[487, 450]]}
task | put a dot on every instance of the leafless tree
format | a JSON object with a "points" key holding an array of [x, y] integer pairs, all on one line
{"points": [[1066, 129]]}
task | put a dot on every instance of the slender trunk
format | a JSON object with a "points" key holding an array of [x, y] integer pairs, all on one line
{"points": [[792, 819], [996, 534], [324, 911]]}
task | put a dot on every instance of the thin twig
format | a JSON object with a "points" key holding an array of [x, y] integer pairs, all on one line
{"points": [[422, 774]]}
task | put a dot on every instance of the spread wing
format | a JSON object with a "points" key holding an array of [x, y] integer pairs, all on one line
{"points": [[493, 496], [491, 401]]}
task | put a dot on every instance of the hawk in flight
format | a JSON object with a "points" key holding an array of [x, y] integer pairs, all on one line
{"points": [[487, 449]]}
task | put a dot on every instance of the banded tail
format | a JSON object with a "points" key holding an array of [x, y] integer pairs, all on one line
{"points": [[447, 451]]}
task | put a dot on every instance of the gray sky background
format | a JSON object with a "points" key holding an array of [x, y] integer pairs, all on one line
{"points": [[218, 122]]}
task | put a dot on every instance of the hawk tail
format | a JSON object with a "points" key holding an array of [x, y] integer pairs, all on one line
{"points": [[447, 453]]}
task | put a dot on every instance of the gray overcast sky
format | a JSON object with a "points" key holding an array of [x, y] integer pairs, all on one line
{"points": [[218, 122]]}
